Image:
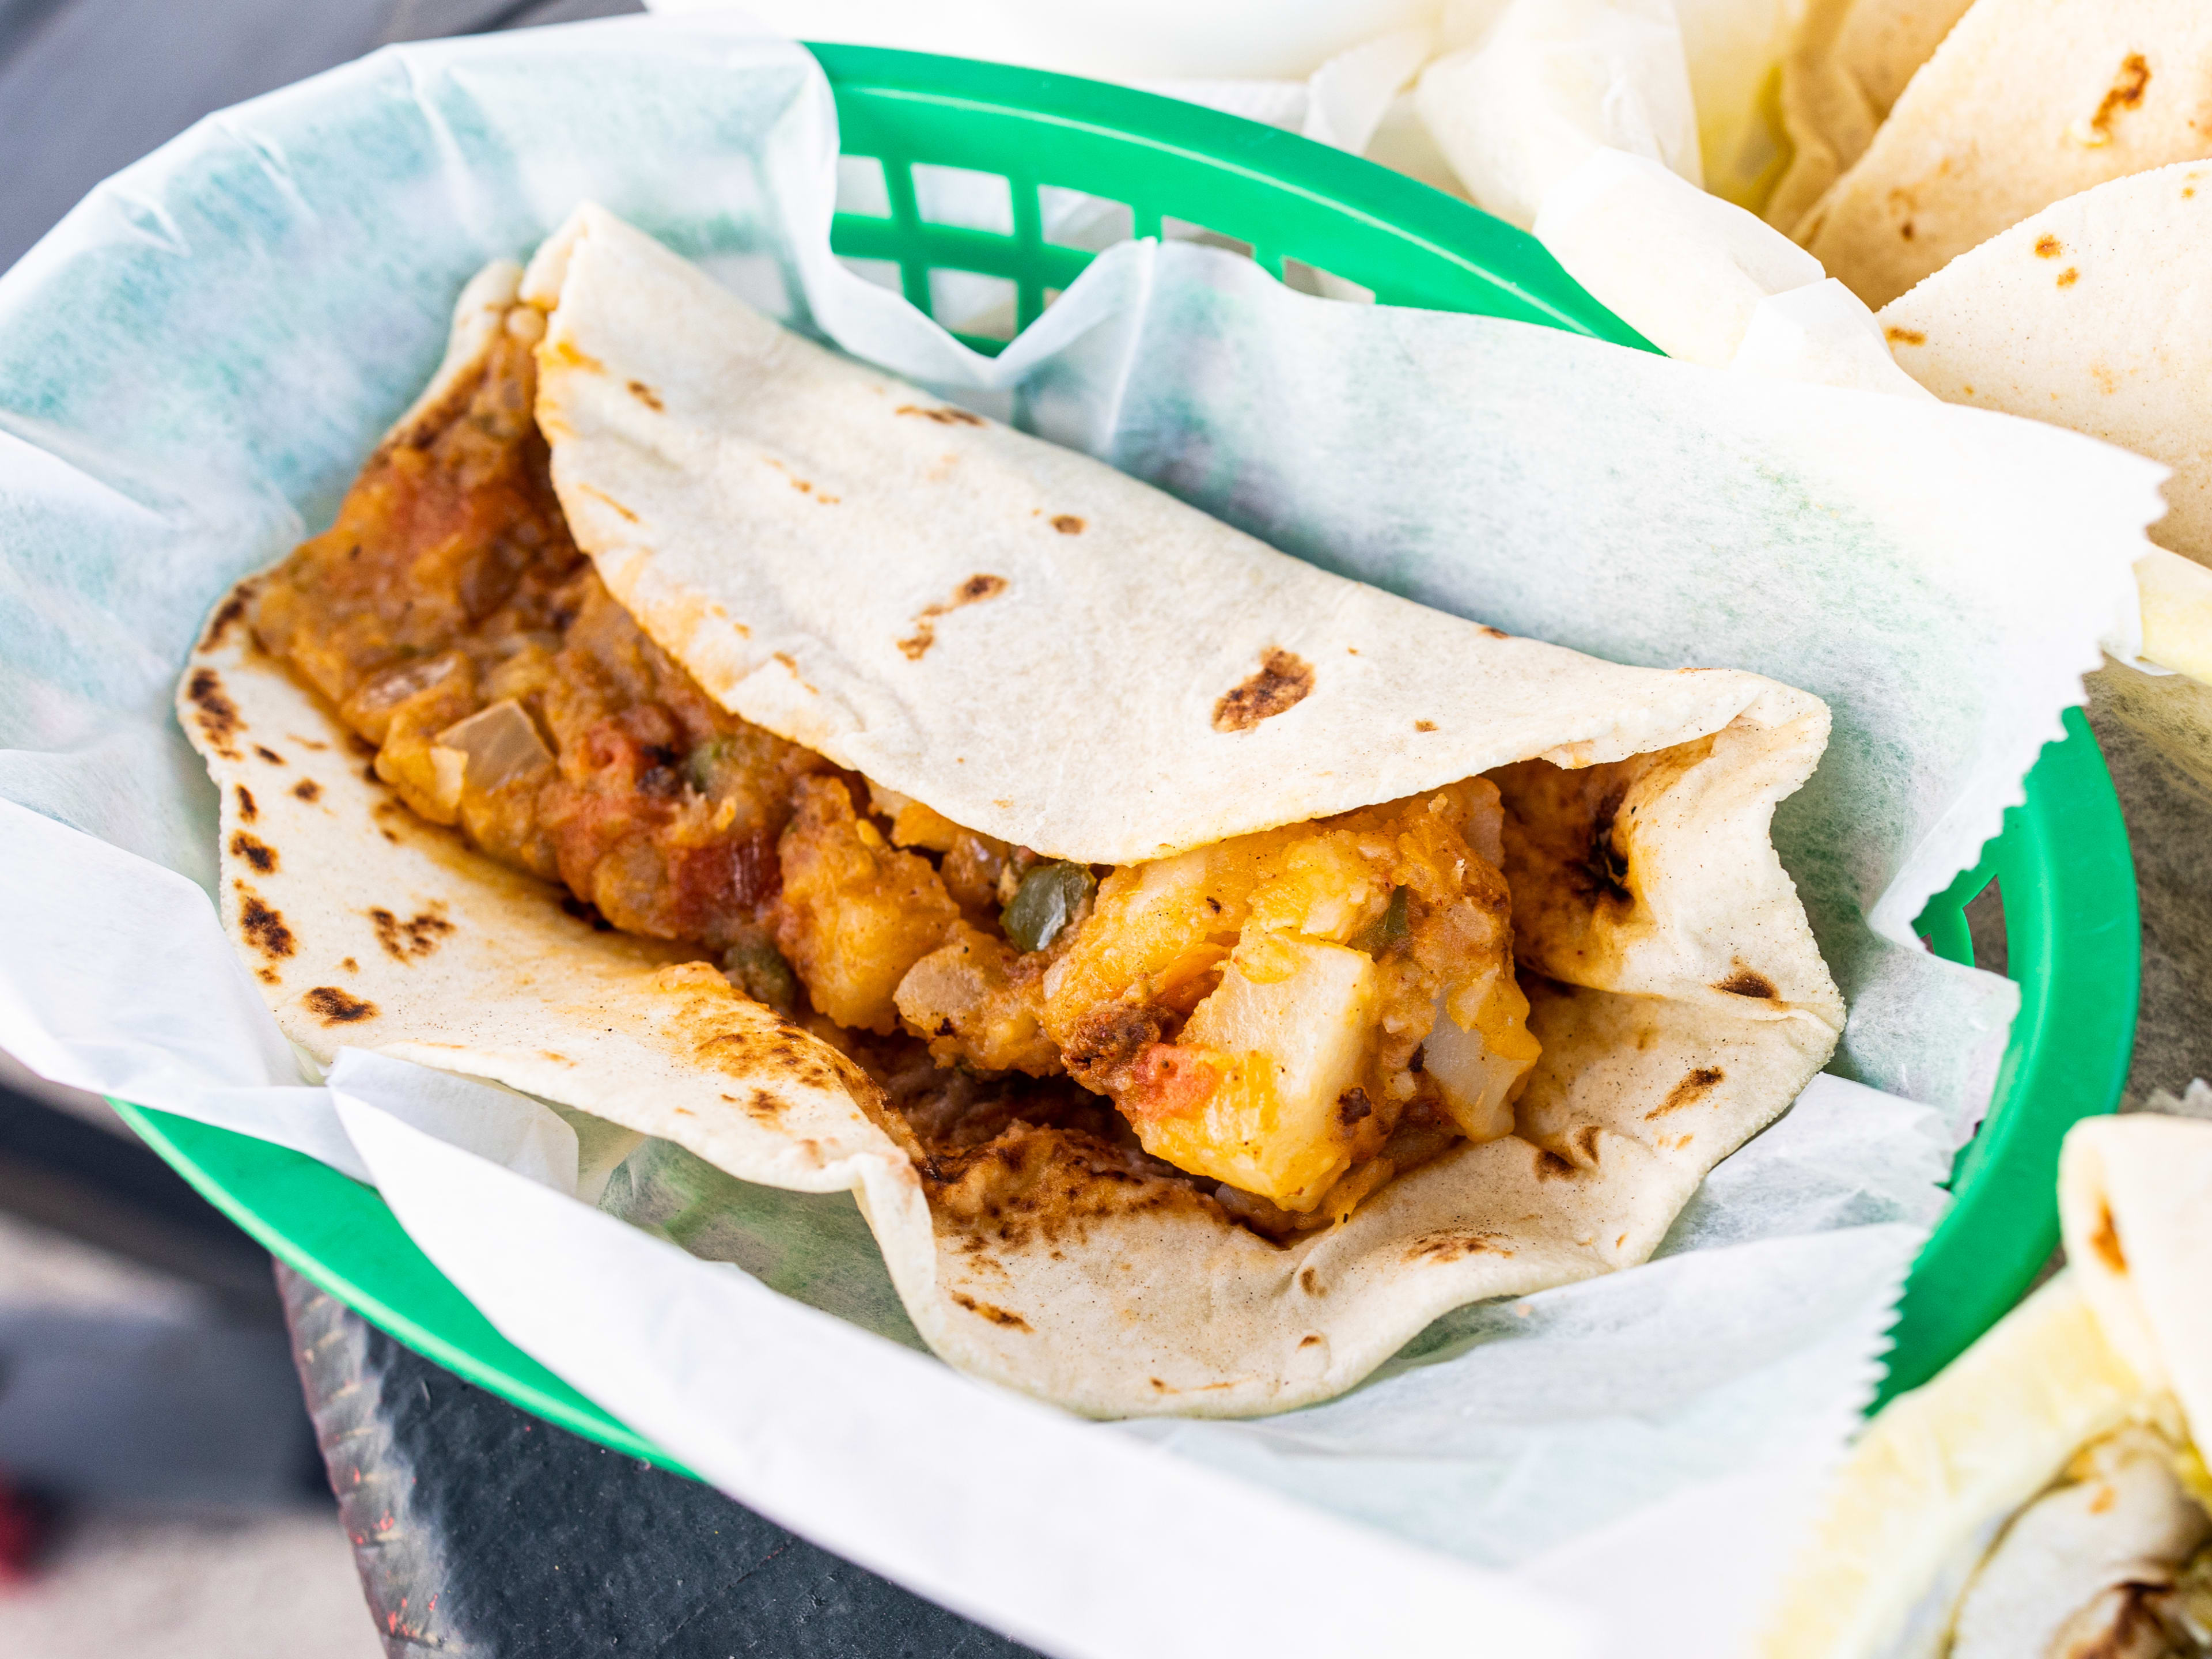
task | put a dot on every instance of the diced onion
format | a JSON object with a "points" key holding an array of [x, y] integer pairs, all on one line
{"points": [[488, 749]]}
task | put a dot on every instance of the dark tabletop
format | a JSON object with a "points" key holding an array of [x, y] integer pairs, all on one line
{"points": [[481, 1530]]}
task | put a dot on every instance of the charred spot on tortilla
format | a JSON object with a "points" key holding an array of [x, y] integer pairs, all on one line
{"points": [[335, 1007], [307, 790], [646, 395], [2105, 1240], [1067, 524], [227, 612], [601, 495], [1424, 725], [348, 964], [2126, 92], [565, 354], [1038, 1186], [1490, 632], [1283, 680], [1897, 336], [269, 976], [944, 415], [997, 1315], [790, 666], [1691, 1088], [1747, 982], [1313, 1341], [980, 586], [217, 714], [268, 754], [1603, 872], [261, 924], [1901, 209], [252, 848], [2069, 276], [1550, 1166], [2048, 246], [247, 811], [1442, 1248], [409, 940], [1309, 1282]]}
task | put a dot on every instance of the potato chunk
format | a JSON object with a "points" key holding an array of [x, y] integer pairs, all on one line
{"points": [[856, 913], [1478, 1069], [1285, 1038], [1412, 887]]}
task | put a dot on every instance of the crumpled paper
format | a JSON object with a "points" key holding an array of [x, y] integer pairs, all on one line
{"points": [[191, 369]]}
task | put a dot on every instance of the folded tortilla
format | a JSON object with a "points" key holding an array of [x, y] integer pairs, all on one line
{"points": [[1029, 644], [2024, 103], [2135, 1200], [2046, 1496], [1847, 63], [2091, 315]]}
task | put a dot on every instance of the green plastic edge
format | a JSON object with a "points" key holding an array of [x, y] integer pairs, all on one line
{"points": [[2074, 945], [340, 1236], [2081, 926], [1413, 245]]}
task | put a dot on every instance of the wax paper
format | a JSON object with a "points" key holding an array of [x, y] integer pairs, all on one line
{"points": [[192, 367]]}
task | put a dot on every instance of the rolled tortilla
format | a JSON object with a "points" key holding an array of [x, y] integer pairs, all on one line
{"points": [[2134, 1201], [2052, 1477], [797, 531]]}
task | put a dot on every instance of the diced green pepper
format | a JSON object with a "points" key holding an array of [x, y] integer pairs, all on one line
{"points": [[756, 967], [1045, 903], [699, 766], [1389, 928]]}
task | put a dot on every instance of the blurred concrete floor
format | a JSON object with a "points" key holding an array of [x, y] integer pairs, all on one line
{"points": [[277, 1586], [179, 1579]]}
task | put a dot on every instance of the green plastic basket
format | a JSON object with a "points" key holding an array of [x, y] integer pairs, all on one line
{"points": [[2063, 861]]}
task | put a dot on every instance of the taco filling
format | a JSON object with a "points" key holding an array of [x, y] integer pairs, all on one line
{"points": [[1287, 1018]]}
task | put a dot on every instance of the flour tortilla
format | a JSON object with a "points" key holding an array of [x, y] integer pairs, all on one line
{"points": [[2122, 1338], [1073, 712], [2093, 315], [2135, 1203], [2027, 102], [1846, 64]]}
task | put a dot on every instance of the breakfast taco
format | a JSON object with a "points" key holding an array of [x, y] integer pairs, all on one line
{"points": [[1203, 970], [2046, 1497]]}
